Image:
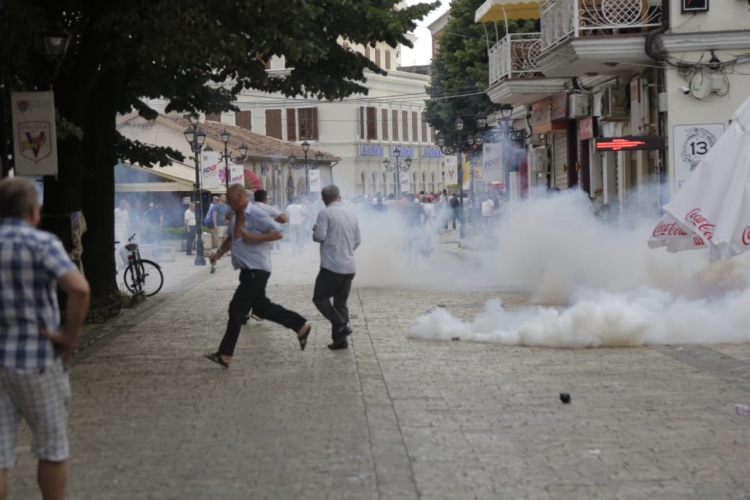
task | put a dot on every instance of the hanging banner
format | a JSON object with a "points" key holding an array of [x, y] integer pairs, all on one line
{"points": [[451, 171], [404, 176], [236, 174], [492, 154], [34, 133], [466, 172], [210, 170], [314, 181]]}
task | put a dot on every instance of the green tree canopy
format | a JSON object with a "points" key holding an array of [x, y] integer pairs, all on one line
{"points": [[461, 67]]}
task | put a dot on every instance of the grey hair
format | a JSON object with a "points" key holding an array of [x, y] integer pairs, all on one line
{"points": [[330, 193], [238, 188], [18, 197]]}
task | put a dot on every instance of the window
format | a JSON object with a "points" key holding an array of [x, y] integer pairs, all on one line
{"points": [[384, 119], [291, 125], [308, 124], [367, 51], [432, 135], [362, 122], [244, 119], [387, 59], [414, 127], [273, 123], [394, 115], [372, 123], [377, 57], [213, 117], [405, 125], [424, 128]]}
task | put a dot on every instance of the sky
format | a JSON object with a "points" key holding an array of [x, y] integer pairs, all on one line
{"points": [[422, 51]]}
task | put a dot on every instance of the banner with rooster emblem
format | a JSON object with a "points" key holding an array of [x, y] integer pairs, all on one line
{"points": [[34, 135]]}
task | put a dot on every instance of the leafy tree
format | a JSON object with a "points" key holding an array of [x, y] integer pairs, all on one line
{"points": [[123, 52], [461, 67]]}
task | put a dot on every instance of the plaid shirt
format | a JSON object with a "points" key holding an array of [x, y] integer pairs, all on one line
{"points": [[31, 261]]}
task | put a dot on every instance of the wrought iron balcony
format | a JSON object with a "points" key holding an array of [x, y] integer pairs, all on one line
{"points": [[515, 56], [569, 19]]}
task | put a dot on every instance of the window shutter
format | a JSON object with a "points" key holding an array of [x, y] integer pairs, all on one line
{"points": [[273, 123], [394, 115], [213, 117], [372, 123], [362, 122], [387, 59], [377, 57], [405, 125], [291, 125], [414, 127], [243, 119], [367, 51], [424, 128], [432, 135], [315, 124], [384, 118]]}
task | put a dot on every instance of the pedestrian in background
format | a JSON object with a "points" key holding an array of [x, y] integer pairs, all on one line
{"points": [[34, 351], [337, 231], [155, 222], [190, 227], [208, 221], [262, 202], [488, 215], [250, 234], [221, 210], [297, 218]]}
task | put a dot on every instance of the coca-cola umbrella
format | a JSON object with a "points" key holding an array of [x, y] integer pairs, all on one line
{"points": [[713, 206]]}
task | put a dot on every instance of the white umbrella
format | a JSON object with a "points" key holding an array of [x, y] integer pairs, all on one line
{"points": [[713, 206]]}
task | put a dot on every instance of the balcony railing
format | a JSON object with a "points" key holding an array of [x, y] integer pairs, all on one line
{"points": [[515, 56], [564, 19]]}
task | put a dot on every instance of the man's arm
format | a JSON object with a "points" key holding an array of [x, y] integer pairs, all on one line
{"points": [[75, 285], [251, 237], [320, 229], [357, 236], [282, 218]]}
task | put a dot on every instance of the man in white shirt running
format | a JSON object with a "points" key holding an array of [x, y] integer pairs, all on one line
{"points": [[337, 231], [190, 228], [297, 218], [488, 213]]}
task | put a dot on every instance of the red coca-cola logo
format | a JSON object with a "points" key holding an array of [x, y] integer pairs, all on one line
{"points": [[698, 241], [701, 223], [664, 229], [746, 236]]}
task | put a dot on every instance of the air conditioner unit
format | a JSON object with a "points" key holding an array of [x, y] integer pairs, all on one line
{"points": [[579, 106], [614, 104]]}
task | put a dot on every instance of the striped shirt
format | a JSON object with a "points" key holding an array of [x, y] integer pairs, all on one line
{"points": [[31, 261]]}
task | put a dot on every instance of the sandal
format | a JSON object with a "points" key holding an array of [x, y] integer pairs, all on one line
{"points": [[303, 338], [216, 358]]}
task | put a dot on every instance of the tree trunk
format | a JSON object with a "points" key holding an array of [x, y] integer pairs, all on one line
{"points": [[99, 186]]}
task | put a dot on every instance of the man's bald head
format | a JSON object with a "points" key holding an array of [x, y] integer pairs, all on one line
{"points": [[237, 196]]}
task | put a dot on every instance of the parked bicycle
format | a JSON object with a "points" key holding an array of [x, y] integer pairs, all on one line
{"points": [[142, 276]]}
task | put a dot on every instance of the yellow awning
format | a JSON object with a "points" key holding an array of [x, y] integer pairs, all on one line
{"points": [[492, 11]]}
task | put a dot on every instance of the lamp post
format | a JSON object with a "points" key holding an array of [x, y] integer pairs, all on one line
{"points": [[307, 165], [225, 156], [456, 148], [397, 168], [506, 112], [196, 138]]}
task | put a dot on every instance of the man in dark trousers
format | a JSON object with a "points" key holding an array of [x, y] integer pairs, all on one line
{"points": [[337, 231], [249, 235]]}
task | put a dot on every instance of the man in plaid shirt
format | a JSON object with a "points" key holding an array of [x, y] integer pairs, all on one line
{"points": [[33, 352]]}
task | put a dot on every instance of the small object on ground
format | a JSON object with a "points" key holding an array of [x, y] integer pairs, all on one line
{"points": [[743, 410], [565, 397], [594, 452], [213, 267], [455, 338]]}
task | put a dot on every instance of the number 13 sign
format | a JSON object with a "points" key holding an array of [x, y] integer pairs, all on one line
{"points": [[690, 143]]}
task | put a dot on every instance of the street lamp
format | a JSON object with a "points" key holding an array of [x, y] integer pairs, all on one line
{"points": [[306, 165], [225, 156], [456, 148], [397, 168], [196, 140], [506, 113]]}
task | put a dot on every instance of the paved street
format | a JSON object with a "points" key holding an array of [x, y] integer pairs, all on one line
{"points": [[391, 417]]}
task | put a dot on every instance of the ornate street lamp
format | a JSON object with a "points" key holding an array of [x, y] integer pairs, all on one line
{"points": [[196, 140], [226, 156], [306, 164], [397, 168]]}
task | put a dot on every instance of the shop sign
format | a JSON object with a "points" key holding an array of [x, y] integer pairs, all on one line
{"points": [[644, 143], [586, 128], [365, 150], [404, 151], [690, 143], [559, 107], [430, 153]]}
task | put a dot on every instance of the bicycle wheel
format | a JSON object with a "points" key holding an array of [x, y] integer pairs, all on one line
{"points": [[152, 278], [132, 278]]}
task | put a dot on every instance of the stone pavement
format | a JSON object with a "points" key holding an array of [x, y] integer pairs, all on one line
{"points": [[391, 417]]}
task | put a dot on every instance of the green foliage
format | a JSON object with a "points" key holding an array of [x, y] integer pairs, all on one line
{"points": [[461, 67]]}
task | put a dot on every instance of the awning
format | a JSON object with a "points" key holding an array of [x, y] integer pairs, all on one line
{"points": [[512, 10]]}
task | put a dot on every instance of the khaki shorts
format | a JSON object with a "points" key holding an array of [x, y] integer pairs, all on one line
{"points": [[221, 231], [42, 398]]}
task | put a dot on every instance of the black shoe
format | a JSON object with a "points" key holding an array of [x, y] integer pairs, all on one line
{"points": [[339, 344], [245, 319]]}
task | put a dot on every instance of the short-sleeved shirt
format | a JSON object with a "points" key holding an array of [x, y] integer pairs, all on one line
{"points": [[488, 208], [272, 210], [252, 255], [221, 210], [31, 262], [412, 213], [297, 214], [337, 230]]}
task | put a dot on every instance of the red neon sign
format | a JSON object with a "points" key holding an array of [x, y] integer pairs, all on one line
{"points": [[629, 143], [618, 144]]}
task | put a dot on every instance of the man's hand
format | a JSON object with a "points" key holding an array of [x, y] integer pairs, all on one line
{"points": [[65, 344], [216, 255]]}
